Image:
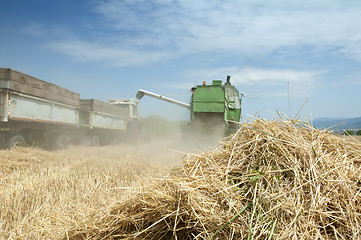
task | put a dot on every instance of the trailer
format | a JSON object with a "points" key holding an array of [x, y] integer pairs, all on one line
{"points": [[36, 112], [107, 122]]}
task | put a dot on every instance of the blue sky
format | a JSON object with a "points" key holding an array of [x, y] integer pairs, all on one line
{"points": [[275, 51]]}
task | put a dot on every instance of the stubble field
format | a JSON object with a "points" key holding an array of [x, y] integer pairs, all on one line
{"points": [[44, 193], [271, 180]]}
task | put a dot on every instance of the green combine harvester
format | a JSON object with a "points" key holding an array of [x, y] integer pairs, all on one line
{"points": [[212, 107]]}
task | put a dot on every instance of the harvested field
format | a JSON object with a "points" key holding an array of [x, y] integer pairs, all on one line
{"points": [[357, 138], [44, 193], [271, 180]]}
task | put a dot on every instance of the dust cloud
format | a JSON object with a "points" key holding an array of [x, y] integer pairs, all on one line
{"points": [[182, 136]]}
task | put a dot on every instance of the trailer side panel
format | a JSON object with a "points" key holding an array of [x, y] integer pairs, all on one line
{"points": [[98, 114], [28, 108]]}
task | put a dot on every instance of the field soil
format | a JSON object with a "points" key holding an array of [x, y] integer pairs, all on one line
{"points": [[43, 193]]}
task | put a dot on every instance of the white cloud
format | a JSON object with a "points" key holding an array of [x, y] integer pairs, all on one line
{"points": [[144, 31], [189, 26], [265, 82], [112, 55]]}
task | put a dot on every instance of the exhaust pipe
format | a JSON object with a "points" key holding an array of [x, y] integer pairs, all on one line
{"points": [[228, 81]]}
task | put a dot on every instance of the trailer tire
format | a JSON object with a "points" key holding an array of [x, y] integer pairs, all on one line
{"points": [[95, 141], [61, 142], [15, 141]]}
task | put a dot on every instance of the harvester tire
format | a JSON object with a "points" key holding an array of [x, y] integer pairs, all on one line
{"points": [[15, 141]]}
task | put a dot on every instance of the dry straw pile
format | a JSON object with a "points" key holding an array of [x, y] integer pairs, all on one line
{"points": [[271, 180]]}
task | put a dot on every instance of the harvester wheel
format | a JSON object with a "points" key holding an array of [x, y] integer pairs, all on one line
{"points": [[15, 141]]}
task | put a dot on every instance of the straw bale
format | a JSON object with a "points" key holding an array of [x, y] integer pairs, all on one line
{"points": [[271, 180]]}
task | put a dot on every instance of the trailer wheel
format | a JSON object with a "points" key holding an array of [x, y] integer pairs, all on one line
{"points": [[95, 140], [15, 141], [61, 142]]}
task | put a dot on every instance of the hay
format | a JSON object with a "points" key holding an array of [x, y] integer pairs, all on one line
{"points": [[44, 193], [271, 180], [22, 158]]}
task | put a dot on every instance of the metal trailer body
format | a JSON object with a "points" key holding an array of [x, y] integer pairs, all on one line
{"points": [[102, 122], [33, 111], [26, 120], [115, 114], [128, 107], [97, 114], [26, 84], [16, 106]]}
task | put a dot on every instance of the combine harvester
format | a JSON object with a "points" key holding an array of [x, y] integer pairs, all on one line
{"points": [[36, 112], [212, 108]]}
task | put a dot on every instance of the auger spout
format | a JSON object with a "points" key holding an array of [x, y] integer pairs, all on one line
{"points": [[141, 93]]}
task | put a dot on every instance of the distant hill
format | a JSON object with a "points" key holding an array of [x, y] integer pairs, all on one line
{"points": [[338, 124]]}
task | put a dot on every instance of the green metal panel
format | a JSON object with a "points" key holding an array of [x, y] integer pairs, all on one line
{"points": [[233, 103], [208, 98], [216, 104], [217, 83]]}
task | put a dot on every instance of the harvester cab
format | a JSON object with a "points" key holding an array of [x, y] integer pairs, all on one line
{"points": [[215, 106]]}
